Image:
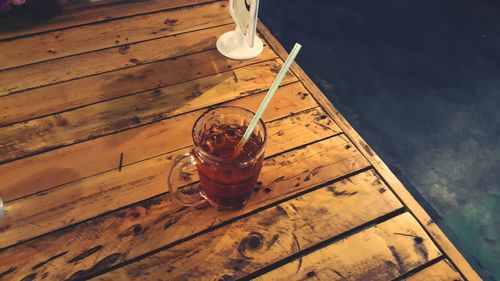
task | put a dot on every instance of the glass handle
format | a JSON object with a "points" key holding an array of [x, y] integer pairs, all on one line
{"points": [[177, 182]]}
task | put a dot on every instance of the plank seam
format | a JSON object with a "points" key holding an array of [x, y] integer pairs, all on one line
{"points": [[108, 48], [151, 89], [325, 104], [222, 224], [419, 268], [399, 198], [284, 199], [443, 253], [118, 131], [41, 192], [172, 151], [103, 21], [325, 243], [122, 130]]}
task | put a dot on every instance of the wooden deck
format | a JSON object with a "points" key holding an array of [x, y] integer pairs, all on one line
{"points": [[95, 105]]}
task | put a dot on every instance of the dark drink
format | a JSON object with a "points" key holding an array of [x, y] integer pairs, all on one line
{"points": [[227, 178], [228, 185]]}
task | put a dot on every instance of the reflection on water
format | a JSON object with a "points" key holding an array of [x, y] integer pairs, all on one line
{"points": [[420, 81]]}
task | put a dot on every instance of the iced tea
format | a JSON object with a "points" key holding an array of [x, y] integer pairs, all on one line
{"points": [[230, 184]]}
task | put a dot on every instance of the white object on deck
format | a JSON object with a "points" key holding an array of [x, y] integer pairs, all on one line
{"points": [[232, 45], [2, 210], [242, 43]]}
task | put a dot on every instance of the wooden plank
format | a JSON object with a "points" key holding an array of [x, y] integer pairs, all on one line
{"points": [[82, 4], [62, 206], [57, 44], [164, 222], [237, 249], [57, 167], [382, 252], [77, 93], [54, 131], [441, 271], [399, 189], [86, 64], [80, 14]]}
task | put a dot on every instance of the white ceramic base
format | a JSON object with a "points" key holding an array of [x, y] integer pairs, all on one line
{"points": [[232, 45]]}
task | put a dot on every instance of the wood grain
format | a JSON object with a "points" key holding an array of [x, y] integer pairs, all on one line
{"points": [[382, 252], [77, 93], [84, 13], [57, 167], [127, 89], [86, 64], [441, 271], [237, 249], [57, 44], [415, 208], [62, 206], [54, 131], [158, 221]]}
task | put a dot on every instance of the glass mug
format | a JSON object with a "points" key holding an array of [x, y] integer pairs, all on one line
{"points": [[226, 180]]}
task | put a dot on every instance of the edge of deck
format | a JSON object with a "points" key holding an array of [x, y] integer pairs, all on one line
{"points": [[432, 229]]}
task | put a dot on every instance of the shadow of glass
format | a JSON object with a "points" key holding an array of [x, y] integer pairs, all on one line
{"points": [[166, 96]]}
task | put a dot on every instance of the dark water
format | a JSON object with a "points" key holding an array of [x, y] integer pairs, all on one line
{"points": [[420, 81]]}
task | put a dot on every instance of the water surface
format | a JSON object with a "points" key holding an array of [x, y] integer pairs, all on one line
{"points": [[420, 81]]}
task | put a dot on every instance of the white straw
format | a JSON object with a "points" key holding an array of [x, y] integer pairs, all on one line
{"points": [[268, 96]]}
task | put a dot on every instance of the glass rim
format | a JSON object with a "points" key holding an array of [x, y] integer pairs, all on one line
{"points": [[219, 159]]}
